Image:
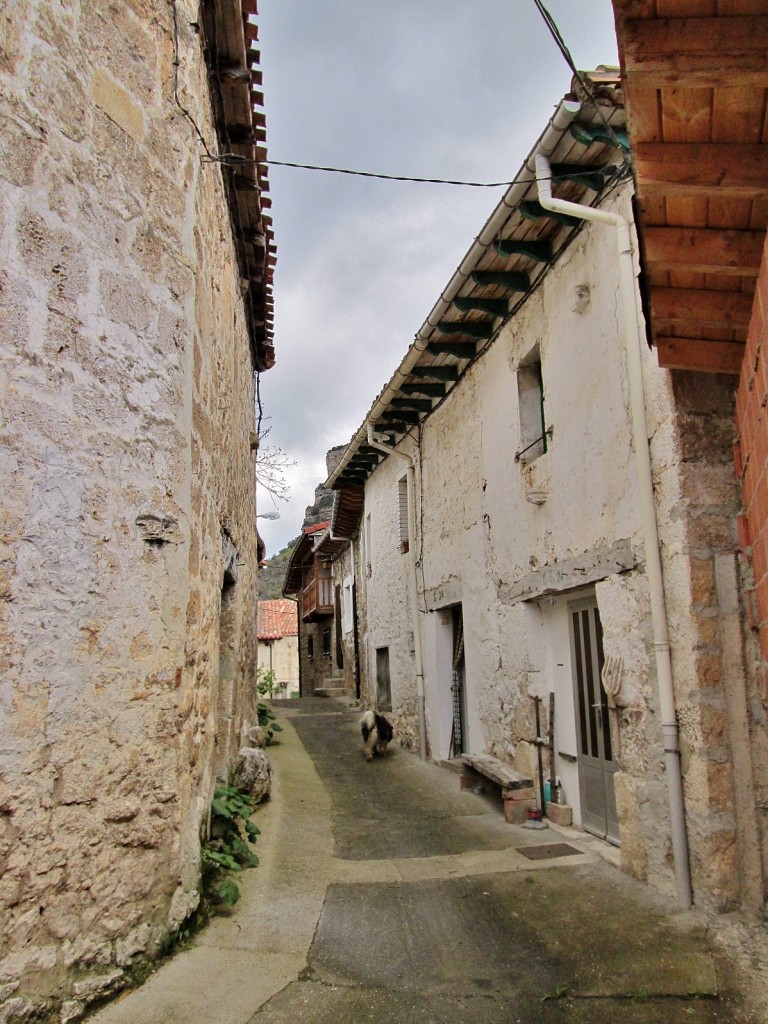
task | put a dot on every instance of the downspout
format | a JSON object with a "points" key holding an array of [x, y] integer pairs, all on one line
{"points": [[634, 340], [410, 484]]}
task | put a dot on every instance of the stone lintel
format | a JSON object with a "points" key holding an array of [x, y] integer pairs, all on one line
{"points": [[571, 573]]}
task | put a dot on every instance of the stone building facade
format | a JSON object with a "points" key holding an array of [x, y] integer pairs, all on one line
{"points": [[130, 333], [278, 635], [321, 577], [525, 573]]}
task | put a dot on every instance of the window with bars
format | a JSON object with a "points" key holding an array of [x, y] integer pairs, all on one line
{"points": [[530, 394], [402, 506]]}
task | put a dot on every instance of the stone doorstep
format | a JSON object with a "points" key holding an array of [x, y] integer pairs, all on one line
{"points": [[560, 814], [329, 691]]}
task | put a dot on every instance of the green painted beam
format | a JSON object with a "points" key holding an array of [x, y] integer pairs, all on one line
{"points": [[474, 328], [512, 280], [420, 404], [589, 177], [364, 451], [446, 373], [496, 307], [420, 388], [586, 134], [390, 428], [399, 415], [464, 350], [531, 209], [533, 248]]}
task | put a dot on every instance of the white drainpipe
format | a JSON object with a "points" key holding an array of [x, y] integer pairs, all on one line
{"points": [[634, 340], [410, 483]]}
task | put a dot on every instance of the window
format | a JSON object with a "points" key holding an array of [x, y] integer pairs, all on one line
{"points": [[327, 643], [310, 648], [530, 394], [347, 601], [402, 506], [383, 685], [368, 549]]}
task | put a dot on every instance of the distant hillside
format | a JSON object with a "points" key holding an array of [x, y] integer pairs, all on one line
{"points": [[272, 573]]}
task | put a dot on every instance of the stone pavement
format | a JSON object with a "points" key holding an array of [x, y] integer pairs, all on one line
{"points": [[385, 893]]}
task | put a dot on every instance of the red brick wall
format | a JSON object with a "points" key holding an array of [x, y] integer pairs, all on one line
{"points": [[751, 454]]}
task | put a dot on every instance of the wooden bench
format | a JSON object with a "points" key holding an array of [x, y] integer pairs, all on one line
{"points": [[516, 789]]}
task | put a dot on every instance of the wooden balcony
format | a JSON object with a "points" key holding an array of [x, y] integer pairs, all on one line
{"points": [[317, 592]]}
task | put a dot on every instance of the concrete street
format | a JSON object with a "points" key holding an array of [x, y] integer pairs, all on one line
{"points": [[387, 894]]}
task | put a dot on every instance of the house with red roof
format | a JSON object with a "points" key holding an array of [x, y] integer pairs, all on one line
{"points": [[278, 635]]}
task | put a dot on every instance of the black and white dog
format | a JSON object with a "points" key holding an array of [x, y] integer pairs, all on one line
{"points": [[377, 733]]}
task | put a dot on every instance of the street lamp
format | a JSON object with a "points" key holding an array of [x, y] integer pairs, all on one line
{"points": [[269, 515]]}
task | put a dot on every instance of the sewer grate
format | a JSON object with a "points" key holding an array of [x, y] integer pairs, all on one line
{"points": [[547, 851]]}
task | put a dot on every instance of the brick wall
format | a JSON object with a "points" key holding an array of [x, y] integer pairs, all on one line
{"points": [[751, 456]]}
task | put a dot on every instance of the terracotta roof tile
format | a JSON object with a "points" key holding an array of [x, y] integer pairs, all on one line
{"points": [[277, 619]]}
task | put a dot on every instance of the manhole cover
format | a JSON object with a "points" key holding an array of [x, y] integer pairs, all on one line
{"points": [[547, 850]]}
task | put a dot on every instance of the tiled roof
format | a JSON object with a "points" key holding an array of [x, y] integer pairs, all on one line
{"points": [[276, 619]]}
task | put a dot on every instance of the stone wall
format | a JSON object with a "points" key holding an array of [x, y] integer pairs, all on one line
{"points": [[128, 540]]}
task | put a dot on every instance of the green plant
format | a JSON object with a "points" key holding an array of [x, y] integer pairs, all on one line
{"points": [[228, 847], [265, 682], [559, 993], [267, 721]]}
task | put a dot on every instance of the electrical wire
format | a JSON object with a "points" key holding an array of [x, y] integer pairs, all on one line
{"points": [[235, 160], [179, 104], [554, 31]]}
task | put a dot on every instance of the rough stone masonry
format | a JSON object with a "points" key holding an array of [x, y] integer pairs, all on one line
{"points": [[128, 549]]}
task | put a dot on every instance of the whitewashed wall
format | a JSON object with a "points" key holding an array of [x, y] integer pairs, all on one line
{"points": [[495, 531]]}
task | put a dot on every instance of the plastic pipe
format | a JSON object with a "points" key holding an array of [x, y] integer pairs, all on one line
{"points": [[634, 340], [410, 486]]}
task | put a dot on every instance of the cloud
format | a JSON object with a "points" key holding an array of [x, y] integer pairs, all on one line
{"points": [[436, 88]]}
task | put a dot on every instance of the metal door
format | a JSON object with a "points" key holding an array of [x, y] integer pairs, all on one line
{"points": [[595, 755]]}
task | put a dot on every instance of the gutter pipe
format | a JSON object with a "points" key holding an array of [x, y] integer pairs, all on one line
{"points": [[560, 121], [634, 340], [410, 483]]}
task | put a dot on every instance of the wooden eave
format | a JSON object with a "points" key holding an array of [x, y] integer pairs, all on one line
{"points": [[301, 554], [465, 332], [230, 39], [695, 75]]}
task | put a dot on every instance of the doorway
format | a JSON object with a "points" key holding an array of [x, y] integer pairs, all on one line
{"points": [[593, 725], [458, 686]]}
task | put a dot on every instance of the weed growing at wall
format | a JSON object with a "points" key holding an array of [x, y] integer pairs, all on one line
{"points": [[229, 848], [265, 687]]}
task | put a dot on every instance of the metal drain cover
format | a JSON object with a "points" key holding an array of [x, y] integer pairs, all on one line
{"points": [[546, 851]]}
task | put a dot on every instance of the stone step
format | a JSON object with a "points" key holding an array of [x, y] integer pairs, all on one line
{"points": [[329, 691]]}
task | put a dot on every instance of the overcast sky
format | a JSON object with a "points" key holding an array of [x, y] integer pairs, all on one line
{"points": [[422, 88]]}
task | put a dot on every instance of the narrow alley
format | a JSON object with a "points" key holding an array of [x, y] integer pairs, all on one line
{"points": [[386, 893]]}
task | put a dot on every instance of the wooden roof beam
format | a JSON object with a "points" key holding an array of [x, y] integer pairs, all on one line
{"points": [[699, 52], [739, 170], [494, 307], [702, 356], [704, 250], [472, 328], [420, 388], [510, 280], [683, 307], [445, 373], [460, 349], [420, 404]]}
